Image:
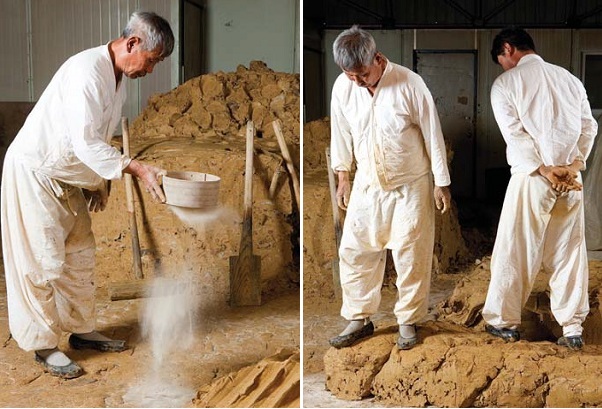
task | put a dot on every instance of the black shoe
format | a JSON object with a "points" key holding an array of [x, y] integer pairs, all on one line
{"points": [[104, 346], [342, 341], [69, 371], [507, 334], [575, 343]]}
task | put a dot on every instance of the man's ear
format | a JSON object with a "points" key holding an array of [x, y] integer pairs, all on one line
{"points": [[509, 49], [131, 42]]}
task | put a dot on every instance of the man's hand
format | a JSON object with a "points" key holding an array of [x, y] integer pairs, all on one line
{"points": [[343, 190], [149, 175], [562, 178], [442, 198], [97, 199]]}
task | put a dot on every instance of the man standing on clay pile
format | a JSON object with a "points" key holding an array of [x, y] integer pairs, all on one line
{"points": [[545, 118], [383, 115], [55, 172]]}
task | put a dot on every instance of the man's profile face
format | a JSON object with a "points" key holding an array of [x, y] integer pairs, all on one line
{"points": [[140, 61], [367, 76]]}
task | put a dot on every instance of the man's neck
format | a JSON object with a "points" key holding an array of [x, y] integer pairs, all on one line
{"points": [[114, 52]]}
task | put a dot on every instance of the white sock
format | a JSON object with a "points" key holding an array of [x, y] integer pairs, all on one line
{"points": [[93, 336], [407, 331], [54, 357], [354, 325]]}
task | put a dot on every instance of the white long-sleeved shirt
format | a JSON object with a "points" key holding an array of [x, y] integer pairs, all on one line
{"points": [[395, 135], [66, 136], [544, 115]]}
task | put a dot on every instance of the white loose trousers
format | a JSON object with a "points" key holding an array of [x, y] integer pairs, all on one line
{"points": [[539, 227], [401, 220], [48, 249]]}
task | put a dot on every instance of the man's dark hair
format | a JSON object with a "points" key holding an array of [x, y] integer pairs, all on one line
{"points": [[516, 37]]}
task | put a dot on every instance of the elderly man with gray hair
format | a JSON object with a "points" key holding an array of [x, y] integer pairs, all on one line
{"points": [[55, 172], [383, 115]]}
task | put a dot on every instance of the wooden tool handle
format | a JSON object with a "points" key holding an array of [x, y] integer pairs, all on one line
{"points": [[287, 159], [338, 228], [129, 194], [248, 199]]}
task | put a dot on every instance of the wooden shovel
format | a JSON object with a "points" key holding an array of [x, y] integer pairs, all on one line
{"points": [[129, 193], [245, 278], [130, 289], [338, 227]]}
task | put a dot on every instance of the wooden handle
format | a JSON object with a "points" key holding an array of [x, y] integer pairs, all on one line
{"points": [[287, 159], [338, 230], [248, 199], [129, 194]]}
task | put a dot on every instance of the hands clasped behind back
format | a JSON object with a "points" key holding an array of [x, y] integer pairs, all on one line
{"points": [[562, 178]]}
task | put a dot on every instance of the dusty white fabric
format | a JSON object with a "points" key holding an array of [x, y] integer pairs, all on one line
{"points": [[394, 135], [545, 118], [539, 227], [592, 198], [48, 255], [66, 136], [47, 241], [544, 115], [401, 220]]}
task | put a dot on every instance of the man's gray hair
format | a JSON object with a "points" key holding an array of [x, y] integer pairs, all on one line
{"points": [[152, 29], [354, 48]]}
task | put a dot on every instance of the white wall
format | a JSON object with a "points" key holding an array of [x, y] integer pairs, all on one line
{"points": [[39, 35], [240, 31]]}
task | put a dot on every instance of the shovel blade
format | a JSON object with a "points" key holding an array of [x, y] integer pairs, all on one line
{"points": [[245, 280]]}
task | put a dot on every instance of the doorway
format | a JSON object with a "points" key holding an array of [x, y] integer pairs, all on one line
{"points": [[451, 77]]}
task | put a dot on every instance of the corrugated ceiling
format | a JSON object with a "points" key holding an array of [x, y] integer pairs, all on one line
{"points": [[396, 14]]}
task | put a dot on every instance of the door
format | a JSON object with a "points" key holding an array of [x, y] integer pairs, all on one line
{"points": [[451, 78], [192, 40]]}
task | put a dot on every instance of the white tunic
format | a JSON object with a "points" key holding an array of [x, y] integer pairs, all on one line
{"points": [[395, 134], [66, 136], [544, 115]]}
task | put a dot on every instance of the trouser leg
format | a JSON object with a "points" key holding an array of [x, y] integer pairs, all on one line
{"points": [[361, 281], [518, 249], [75, 287], [412, 250], [33, 252], [565, 255]]}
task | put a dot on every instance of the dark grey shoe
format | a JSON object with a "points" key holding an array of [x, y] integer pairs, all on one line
{"points": [[507, 334], [104, 346], [407, 343], [342, 341], [70, 371], [575, 343]]}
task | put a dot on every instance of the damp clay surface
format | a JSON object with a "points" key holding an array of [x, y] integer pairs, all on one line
{"points": [[456, 363], [200, 127]]}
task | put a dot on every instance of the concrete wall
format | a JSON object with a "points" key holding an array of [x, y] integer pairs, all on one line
{"points": [[239, 31]]}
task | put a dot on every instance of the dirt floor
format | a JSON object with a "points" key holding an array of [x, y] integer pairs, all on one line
{"points": [[456, 363], [199, 126]]}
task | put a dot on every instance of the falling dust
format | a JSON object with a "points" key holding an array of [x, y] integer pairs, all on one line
{"points": [[200, 219], [169, 322]]}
